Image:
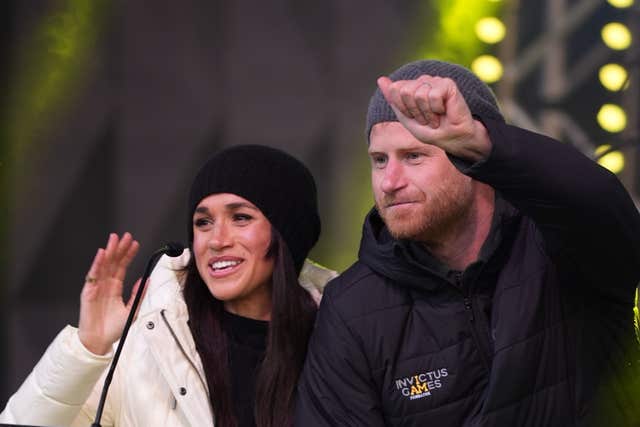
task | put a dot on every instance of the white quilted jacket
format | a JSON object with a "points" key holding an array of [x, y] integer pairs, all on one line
{"points": [[159, 380]]}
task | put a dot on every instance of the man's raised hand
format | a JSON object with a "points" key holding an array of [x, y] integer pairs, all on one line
{"points": [[435, 112]]}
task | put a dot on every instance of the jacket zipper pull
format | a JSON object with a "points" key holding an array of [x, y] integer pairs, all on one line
{"points": [[467, 306], [457, 278]]}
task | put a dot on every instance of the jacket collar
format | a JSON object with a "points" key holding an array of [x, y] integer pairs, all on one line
{"points": [[163, 318], [173, 350], [408, 263]]}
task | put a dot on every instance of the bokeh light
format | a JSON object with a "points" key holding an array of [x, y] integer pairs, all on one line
{"points": [[613, 76], [622, 4], [612, 118], [616, 36], [614, 160], [488, 68], [490, 30]]}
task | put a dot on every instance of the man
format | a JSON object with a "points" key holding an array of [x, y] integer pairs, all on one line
{"points": [[495, 280]]}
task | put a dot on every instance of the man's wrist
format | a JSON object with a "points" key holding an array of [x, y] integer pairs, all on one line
{"points": [[480, 145]]}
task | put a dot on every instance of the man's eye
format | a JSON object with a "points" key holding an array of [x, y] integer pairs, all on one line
{"points": [[379, 161], [413, 156]]}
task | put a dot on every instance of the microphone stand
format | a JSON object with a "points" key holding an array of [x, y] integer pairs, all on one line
{"points": [[171, 249]]}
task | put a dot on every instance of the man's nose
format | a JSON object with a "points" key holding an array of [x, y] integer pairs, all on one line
{"points": [[393, 179]]}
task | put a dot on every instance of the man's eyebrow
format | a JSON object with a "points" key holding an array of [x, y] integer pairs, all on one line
{"points": [[202, 210]]}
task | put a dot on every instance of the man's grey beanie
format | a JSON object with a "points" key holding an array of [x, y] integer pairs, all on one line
{"points": [[476, 93]]}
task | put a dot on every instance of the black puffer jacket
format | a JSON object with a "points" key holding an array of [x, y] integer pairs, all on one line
{"points": [[538, 332]]}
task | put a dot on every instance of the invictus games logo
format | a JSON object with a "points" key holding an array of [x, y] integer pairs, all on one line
{"points": [[421, 385]]}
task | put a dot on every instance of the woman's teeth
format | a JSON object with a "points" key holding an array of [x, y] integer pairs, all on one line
{"points": [[219, 265]]}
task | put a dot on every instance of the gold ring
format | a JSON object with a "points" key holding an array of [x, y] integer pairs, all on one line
{"points": [[90, 279]]}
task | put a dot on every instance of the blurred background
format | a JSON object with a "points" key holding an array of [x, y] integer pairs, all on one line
{"points": [[110, 106]]}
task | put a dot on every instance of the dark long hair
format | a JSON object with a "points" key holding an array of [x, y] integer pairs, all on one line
{"points": [[292, 316]]}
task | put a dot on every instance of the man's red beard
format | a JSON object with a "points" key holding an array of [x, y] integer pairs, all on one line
{"points": [[431, 217]]}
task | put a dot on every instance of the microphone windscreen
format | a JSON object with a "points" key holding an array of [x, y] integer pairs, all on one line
{"points": [[173, 249]]}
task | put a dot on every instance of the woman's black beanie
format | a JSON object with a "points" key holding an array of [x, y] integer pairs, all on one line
{"points": [[276, 182]]}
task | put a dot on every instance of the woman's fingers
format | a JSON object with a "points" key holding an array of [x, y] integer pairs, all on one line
{"points": [[96, 266], [131, 253], [112, 261], [127, 250]]}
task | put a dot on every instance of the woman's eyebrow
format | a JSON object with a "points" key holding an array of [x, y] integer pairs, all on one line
{"points": [[229, 206], [239, 205]]}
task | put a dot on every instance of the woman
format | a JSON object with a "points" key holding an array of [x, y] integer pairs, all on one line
{"points": [[222, 331]]}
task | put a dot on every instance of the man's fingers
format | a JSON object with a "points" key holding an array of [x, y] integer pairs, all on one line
{"points": [[423, 95], [391, 92], [384, 83], [437, 99], [420, 99], [411, 124], [409, 91], [456, 105]]}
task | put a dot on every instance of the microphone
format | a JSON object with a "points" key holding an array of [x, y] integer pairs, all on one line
{"points": [[172, 249]]}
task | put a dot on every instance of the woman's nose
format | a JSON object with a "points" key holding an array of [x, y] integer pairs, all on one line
{"points": [[220, 236]]}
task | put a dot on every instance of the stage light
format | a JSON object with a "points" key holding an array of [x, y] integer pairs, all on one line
{"points": [[614, 160], [612, 118], [488, 68], [616, 36], [621, 4], [490, 30], [613, 76]]}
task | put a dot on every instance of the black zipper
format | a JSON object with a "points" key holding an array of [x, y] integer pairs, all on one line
{"points": [[469, 309]]}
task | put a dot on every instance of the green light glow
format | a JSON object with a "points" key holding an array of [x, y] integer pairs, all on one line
{"points": [[636, 317], [50, 70], [454, 38]]}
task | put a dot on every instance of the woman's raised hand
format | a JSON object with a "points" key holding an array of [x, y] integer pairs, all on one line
{"points": [[103, 312]]}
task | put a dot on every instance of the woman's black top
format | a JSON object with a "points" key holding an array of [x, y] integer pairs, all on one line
{"points": [[247, 342]]}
